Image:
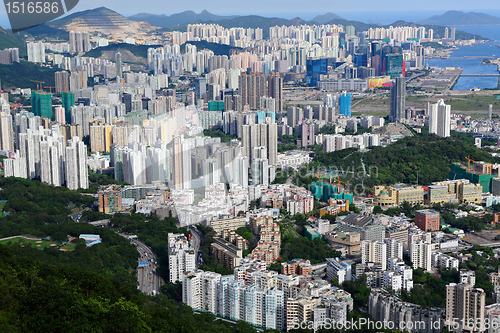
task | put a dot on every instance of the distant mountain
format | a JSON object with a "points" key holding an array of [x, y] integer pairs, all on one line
{"points": [[358, 26], [251, 21], [325, 18], [101, 20], [43, 31], [188, 16], [455, 17]]}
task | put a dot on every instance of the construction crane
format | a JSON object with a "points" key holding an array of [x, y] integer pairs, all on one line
{"points": [[468, 162], [319, 174], [338, 181], [38, 85], [50, 88]]}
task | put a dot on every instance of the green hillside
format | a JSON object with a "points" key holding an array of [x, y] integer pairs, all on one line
{"points": [[137, 50], [88, 289], [10, 40], [428, 154], [218, 49], [45, 31], [22, 74]]}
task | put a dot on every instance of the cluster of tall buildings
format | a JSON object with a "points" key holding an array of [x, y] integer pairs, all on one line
{"points": [[79, 42], [36, 52], [8, 56], [265, 299], [44, 154]]}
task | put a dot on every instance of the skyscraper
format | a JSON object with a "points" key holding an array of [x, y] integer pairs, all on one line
{"points": [[36, 52], [345, 104], [68, 100], [398, 92], [251, 88], [41, 104], [79, 42], [119, 68], [62, 81], [275, 85], [6, 132], [440, 119], [177, 163]]}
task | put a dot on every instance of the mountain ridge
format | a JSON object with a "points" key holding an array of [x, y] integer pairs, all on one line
{"points": [[99, 19], [188, 16], [459, 18]]}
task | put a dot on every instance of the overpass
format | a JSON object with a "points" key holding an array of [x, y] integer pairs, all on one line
{"points": [[100, 223], [319, 269]]}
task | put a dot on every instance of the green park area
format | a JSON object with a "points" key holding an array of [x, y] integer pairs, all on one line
{"points": [[37, 243]]}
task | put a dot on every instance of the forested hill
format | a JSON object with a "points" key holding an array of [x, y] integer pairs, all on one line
{"points": [[427, 154], [88, 289]]}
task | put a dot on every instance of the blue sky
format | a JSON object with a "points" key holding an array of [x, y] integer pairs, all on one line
{"points": [[378, 11]]}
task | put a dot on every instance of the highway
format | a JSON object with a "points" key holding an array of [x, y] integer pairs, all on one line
{"points": [[76, 216], [196, 242], [149, 281]]}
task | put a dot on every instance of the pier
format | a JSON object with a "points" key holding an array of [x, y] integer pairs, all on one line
{"points": [[480, 74]]}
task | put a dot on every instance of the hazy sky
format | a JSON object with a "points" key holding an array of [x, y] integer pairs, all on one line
{"points": [[378, 11]]}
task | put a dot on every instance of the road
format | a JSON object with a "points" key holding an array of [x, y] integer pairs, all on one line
{"points": [[196, 242], [149, 281], [76, 216]]}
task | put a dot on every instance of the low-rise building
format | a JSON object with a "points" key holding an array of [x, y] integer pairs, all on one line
{"points": [[396, 194], [338, 270]]}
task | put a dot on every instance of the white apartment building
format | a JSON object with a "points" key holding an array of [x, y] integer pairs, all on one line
{"points": [[441, 259], [181, 258], [420, 255], [392, 279], [339, 270], [394, 248], [374, 251]]}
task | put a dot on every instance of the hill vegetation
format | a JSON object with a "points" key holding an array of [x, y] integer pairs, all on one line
{"points": [[89, 289], [24, 74], [10, 40], [46, 31], [137, 50], [428, 154], [218, 49]]}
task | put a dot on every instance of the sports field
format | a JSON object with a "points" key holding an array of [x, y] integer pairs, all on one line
{"points": [[40, 244]]}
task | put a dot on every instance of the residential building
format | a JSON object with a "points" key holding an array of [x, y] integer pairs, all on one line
{"points": [[398, 94], [440, 119], [374, 251], [464, 305], [338, 270], [181, 258], [420, 255], [427, 220]]}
